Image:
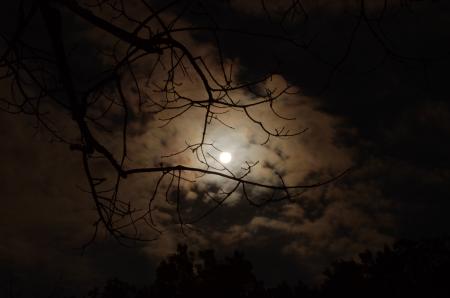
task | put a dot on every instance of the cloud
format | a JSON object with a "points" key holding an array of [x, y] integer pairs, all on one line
{"points": [[45, 215], [50, 214], [351, 221], [298, 9]]}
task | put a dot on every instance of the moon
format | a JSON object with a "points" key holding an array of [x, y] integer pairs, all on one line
{"points": [[225, 157]]}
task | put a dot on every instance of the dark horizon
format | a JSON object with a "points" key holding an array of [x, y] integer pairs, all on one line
{"points": [[405, 268]]}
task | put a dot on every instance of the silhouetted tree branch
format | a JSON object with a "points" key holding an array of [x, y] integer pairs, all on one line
{"points": [[43, 78]]}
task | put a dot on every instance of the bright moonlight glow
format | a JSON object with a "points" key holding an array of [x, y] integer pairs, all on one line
{"points": [[225, 157]]}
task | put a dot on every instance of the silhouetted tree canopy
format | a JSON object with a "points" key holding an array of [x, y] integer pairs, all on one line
{"points": [[184, 274], [407, 269]]}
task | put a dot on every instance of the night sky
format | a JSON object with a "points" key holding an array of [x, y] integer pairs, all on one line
{"points": [[367, 87]]}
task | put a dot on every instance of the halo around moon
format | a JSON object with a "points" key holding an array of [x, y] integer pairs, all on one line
{"points": [[225, 157]]}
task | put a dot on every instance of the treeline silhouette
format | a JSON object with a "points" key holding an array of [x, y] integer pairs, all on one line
{"points": [[405, 269]]}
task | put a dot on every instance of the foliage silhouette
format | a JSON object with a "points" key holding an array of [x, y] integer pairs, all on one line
{"points": [[407, 268], [182, 275]]}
